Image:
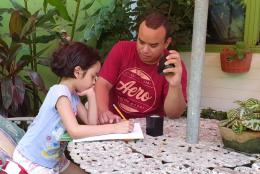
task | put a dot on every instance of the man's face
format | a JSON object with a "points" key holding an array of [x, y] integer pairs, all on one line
{"points": [[151, 43]]}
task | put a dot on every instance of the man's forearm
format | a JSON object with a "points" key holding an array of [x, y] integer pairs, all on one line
{"points": [[174, 104], [102, 95]]}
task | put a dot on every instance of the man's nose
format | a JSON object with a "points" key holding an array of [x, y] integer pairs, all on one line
{"points": [[146, 48]]}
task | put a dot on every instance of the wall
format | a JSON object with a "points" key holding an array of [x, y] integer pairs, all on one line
{"points": [[220, 89]]}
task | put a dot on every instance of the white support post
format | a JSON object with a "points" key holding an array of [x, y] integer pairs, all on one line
{"points": [[197, 59]]}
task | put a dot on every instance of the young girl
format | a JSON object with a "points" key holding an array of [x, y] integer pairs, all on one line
{"points": [[40, 151]]}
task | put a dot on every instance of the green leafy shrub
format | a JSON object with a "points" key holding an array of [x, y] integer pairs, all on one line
{"points": [[22, 51], [107, 22], [240, 51], [213, 114], [245, 117], [179, 13]]}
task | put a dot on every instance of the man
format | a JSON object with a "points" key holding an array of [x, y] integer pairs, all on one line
{"points": [[129, 77]]}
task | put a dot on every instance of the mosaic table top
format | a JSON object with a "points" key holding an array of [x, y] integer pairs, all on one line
{"points": [[165, 154]]}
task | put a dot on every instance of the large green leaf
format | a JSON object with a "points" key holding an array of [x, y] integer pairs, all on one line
{"points": [[20, 8], [42, 51], [98, 4], [44, 61], [60, 6], [238, 127], [3, 49], [5, 10], [45, 38], [252, 104], [24, 61], [3, 44], [45, 4], [14, 49], [87, 4], [48, 17], [28, 27], [233, 113], [111, 4], [94, 8], [7, 93], [253, 124]]}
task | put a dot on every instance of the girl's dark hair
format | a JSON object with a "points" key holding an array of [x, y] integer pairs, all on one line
{"points": [[67, 57]]}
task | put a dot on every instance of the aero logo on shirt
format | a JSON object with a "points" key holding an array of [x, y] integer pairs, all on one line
{"points": [[135, 91]]}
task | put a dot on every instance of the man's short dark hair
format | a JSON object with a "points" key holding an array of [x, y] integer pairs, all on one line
{"points": [[156, 19]]}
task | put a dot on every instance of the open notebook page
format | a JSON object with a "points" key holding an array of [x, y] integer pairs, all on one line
{"points": [[135, 134]]}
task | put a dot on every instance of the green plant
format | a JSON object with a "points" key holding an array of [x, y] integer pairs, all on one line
{"points": [[213, 114], [245, 117], [107, 21], [179, 13], [20, 56], [240, 50]]}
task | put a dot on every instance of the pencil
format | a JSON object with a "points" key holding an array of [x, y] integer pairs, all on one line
{"points": [[120, 113]]}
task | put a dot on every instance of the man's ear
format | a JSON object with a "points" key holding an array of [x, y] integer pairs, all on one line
{"points": [[77, 71], [167, 42]]}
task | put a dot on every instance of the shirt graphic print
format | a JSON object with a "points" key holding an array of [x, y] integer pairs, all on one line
{"points": [[135, 91]]}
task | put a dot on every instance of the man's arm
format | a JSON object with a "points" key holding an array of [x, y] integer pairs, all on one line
{"points": [[174, 104], [102, 88]]}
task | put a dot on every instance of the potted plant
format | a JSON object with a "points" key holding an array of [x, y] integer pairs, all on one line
{"points": [[241, 129], [236, 60]]}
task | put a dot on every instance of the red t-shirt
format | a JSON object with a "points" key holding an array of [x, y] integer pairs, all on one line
{"points": [[138, 89]]}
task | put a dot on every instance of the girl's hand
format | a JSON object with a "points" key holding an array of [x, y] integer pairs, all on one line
{"points": [[124, 126], [88, 92]]}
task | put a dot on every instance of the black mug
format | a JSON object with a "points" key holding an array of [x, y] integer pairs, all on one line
{"points": [[154, 125]]}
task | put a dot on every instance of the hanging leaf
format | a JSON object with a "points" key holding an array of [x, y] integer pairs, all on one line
{"points": [[48, 17], [44, 61], [59, 5], [5, 10], [37, 80], [94, 8], [45, 4], [42, 51], [15, 25], [45, 38], [24, 61], [7, 93], [87, 3], [101, 4], [15, 47], [110, 4], [3, 49], [18, 91], [81, 28], [28, 27], [20, 8]]}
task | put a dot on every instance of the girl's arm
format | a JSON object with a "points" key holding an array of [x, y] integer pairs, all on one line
{"points": [[82, 113], [76, 131], [88, 114]]}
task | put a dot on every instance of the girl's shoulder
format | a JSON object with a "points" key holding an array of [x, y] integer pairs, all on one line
{"points": [[59, 90], [59, 87]]}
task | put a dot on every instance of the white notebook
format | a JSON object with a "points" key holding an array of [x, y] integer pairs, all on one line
{"points": [[135, 134]]}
